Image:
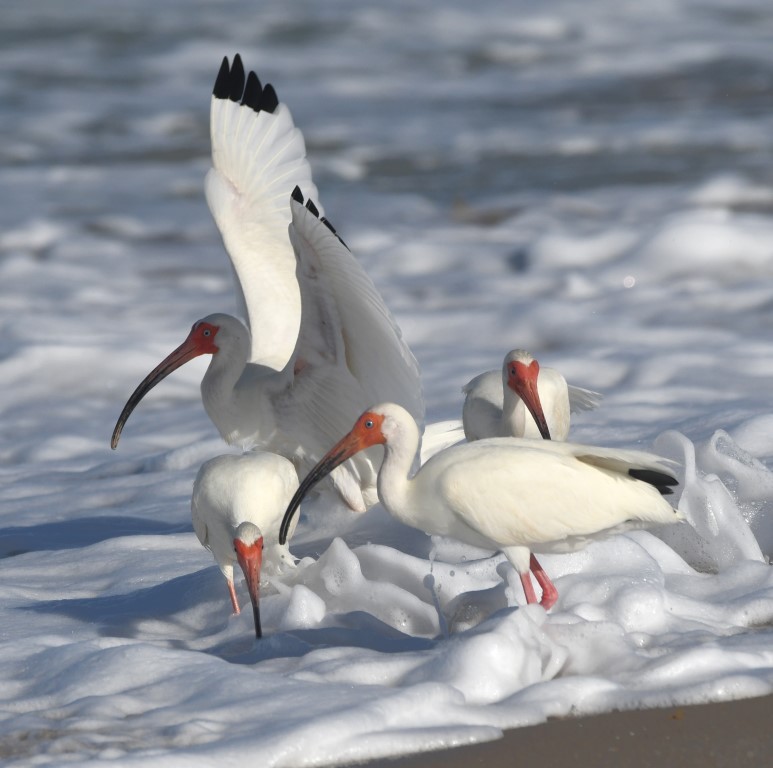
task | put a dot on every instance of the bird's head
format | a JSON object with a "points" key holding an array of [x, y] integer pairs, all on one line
{"points": [[376, 426], [248, 546], [206, 337], [520, 372]]}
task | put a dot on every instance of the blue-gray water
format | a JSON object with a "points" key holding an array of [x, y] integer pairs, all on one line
{"points": [[451, 101]]}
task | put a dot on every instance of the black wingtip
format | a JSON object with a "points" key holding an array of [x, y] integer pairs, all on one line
{"points": [[237, 79], [222, 83], [270, 100], [297, 195], [252, 92], [230, 80], [232, 84], [660, 480], [333, 230]]}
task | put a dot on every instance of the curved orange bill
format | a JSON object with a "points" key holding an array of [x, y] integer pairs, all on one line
{"points": [[185, 352], [344, 449], [526, 388], [250, 557]]}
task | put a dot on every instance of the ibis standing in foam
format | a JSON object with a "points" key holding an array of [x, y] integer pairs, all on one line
{"points": [[237, 507], [519, 496]]}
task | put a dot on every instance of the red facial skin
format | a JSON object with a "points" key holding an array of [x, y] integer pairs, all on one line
{"points": [[365, 432], [250, 557], [522, 379]]}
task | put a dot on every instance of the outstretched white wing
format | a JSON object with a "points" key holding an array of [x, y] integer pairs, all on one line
{"points": [[374, 351], [258, 158], [345, 329]]}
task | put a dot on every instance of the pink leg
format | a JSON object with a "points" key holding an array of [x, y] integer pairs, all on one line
{"points": [[232, 593], [528, 587], [549, 591]]}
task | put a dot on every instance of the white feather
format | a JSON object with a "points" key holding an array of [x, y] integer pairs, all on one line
{"points": [[258, 158]]}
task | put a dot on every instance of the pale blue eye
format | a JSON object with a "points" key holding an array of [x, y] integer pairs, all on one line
{"points": [[369, 424]]}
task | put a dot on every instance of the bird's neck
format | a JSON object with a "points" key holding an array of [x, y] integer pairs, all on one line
{"points": [[513, 413], [236, 402], [394, 483]]}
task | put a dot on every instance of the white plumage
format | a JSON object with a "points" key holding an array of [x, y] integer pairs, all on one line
{"points": [[517, 495], [321, 344], [258, 158], [496, 405], [236, 508]]}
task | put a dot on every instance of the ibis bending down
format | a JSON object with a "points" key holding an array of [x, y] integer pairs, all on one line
{"points": [[237, 506], [523, 400], [517, 495], [320, 345]]}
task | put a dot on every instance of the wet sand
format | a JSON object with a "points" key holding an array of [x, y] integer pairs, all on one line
{"points": [[724, 735]]}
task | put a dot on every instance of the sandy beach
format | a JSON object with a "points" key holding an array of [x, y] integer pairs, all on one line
{"points": [[721, 735]]}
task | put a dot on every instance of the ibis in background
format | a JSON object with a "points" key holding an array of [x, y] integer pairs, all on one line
{"points": [[237, 507], [522, 400], [516, 495]]}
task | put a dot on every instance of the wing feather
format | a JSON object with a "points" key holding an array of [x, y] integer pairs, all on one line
{"points": [[258, 158], [375, 352], [513, 496], [327, 394], [583, 399], [621, 460], [198, 520]]}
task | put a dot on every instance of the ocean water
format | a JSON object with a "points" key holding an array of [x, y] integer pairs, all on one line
{"points": [[591, 182]]}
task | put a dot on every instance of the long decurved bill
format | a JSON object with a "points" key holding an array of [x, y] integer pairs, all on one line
{"points": [[189, 349], [525, 386], [344, 449], [250, 557]]}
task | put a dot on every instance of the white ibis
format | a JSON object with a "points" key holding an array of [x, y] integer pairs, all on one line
{"points": [[306, 366], [523, 400], [237, 505], [516, 495]]}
